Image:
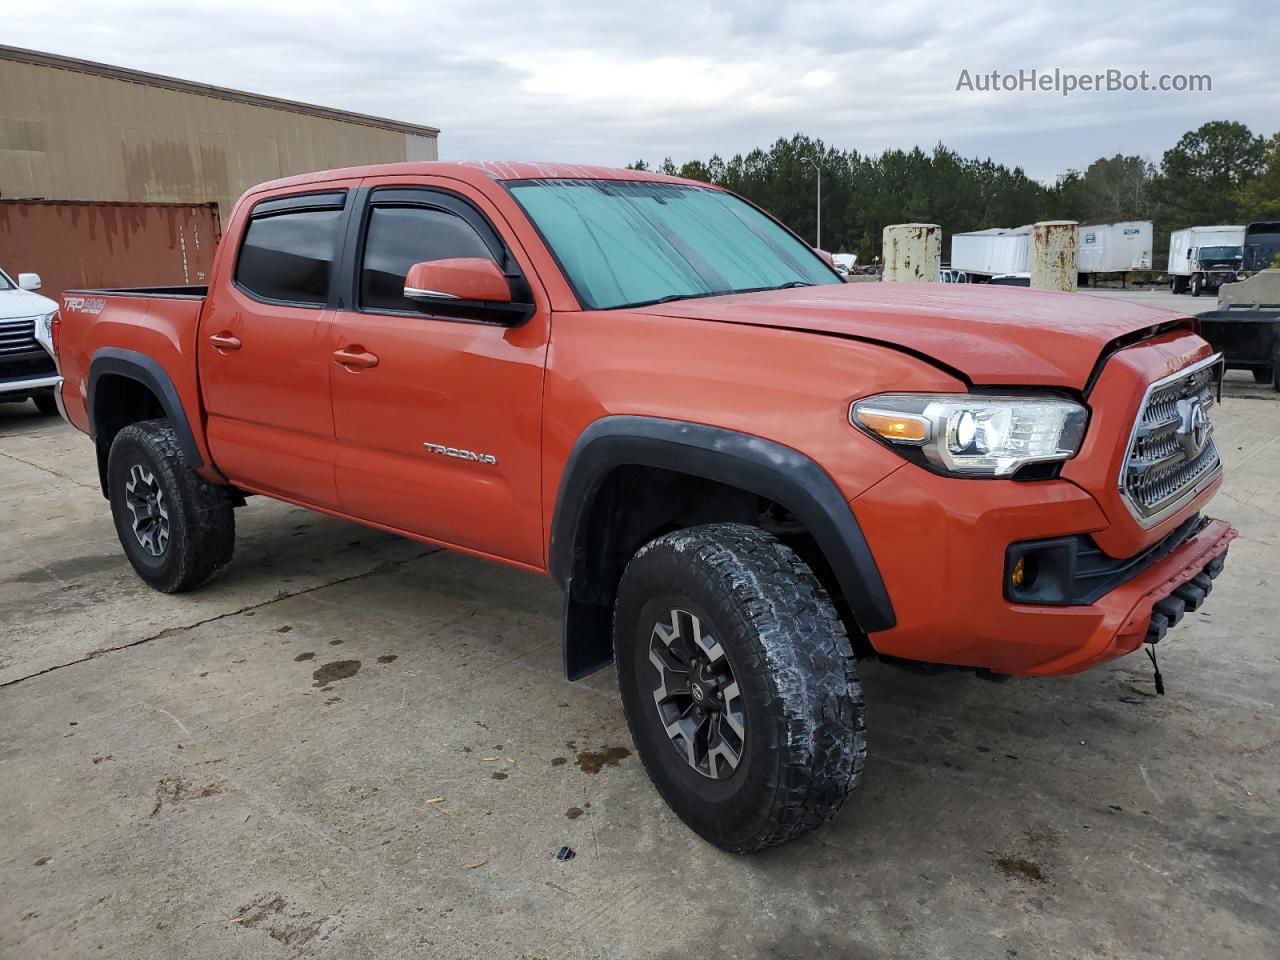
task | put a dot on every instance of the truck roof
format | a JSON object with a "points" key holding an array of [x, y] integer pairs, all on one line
{"points": [[473, 171]]}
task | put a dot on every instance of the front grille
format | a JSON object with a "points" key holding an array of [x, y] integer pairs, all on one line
{"points": [[1172, 453], [21, 356], [17, 337]]}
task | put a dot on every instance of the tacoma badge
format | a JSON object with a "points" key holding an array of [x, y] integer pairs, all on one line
{"points": [[485, 458]]}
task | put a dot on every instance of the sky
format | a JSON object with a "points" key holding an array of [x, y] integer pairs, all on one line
{"points": [[609, 83]]}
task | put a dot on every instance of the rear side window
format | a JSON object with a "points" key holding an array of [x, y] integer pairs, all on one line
{"points": [[399, 237], [289, 256]]}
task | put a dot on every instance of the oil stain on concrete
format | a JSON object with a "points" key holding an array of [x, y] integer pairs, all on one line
{"points": [[593, 761], [334, 671]]}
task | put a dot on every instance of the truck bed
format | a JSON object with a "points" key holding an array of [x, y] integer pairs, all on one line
{"points": [[151, 328]]}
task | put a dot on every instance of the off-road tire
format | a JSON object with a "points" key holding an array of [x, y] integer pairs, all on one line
{"points": [[45, 403], [804, 744], [201, 521]]}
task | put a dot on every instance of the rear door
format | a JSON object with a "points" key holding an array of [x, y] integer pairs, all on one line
{"points": [[441, 436], [265, 347]]}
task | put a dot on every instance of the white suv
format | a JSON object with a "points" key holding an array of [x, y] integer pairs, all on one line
{"points": [[27, 368]]}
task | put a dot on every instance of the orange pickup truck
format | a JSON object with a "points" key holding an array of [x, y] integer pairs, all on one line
{"points": [[744, 473]]}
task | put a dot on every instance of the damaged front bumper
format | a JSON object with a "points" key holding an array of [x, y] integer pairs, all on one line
{"points": [[943, 547], [1142, 609]]}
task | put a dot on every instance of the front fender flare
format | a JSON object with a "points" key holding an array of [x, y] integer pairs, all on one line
{"points": [[759, 466]]}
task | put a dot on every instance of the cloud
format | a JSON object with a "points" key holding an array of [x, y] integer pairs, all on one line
{"points": [[609, 83]]}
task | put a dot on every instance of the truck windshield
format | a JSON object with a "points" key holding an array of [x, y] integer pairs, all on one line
{"points": [[1221, 253], [1261, 245], [626, 243]]}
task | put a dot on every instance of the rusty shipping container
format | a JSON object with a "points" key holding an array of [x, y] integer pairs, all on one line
{"points": [[74, 245]]}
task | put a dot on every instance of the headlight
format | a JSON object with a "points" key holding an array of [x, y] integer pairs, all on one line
{"points": [[973, 435], [46, 323]]}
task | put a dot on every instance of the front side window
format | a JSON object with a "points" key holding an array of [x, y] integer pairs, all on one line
{"points": [[627, 243], [5, 282], [399, 237], [289, 256]]}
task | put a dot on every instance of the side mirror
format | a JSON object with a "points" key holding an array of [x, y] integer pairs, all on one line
{"points": [[29, 281], [472, 279]]}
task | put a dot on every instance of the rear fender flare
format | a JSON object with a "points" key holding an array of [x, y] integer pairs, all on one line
{"points": [[147, 371]]}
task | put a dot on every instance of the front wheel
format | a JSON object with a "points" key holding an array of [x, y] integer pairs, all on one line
{"points": [[177, 529], [45, 403], [1196, 285], [738, 685]]}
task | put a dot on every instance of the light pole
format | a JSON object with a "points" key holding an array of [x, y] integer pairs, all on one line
{"points": [[817, 165]]}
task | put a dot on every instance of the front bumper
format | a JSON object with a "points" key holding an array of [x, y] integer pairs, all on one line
{"points": [[29, 386], [941, 546]]}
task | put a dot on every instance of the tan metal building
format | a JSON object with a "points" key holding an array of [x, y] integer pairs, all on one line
{"points": [[74, 130]]}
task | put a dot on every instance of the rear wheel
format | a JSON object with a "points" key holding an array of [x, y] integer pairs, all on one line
{"points": [[1263, 375], [177, 529], [738, 685]]}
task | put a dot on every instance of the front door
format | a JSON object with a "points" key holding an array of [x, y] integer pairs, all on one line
{"points": [[437, 418], [265, 345]]}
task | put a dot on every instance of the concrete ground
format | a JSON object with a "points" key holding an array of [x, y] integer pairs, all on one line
{"points": [[249, 771], [1157, 297]]}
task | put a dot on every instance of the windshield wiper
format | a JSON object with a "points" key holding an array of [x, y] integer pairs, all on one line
{"points": [[713, 293], [790, 284], [678, 296]]}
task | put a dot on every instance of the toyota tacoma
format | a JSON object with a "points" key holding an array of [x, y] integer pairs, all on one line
{"points": [[744, 473]]}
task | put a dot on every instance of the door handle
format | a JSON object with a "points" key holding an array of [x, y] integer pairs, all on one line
{"points": [[223, 342], [355, 357]]}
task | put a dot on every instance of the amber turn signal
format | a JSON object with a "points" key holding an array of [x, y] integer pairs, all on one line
{"points": [[895, 426], [1019, 572]]}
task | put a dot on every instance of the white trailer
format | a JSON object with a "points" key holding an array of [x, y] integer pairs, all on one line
{"points": [[988, 253], [1114, 247], [845, 263], [1222, 247]]}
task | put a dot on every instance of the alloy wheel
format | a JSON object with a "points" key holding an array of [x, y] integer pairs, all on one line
{"points": [[145, 500], [697, 696]]}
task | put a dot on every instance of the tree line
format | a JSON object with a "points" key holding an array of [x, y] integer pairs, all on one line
{"points": [[1219, 173]]}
